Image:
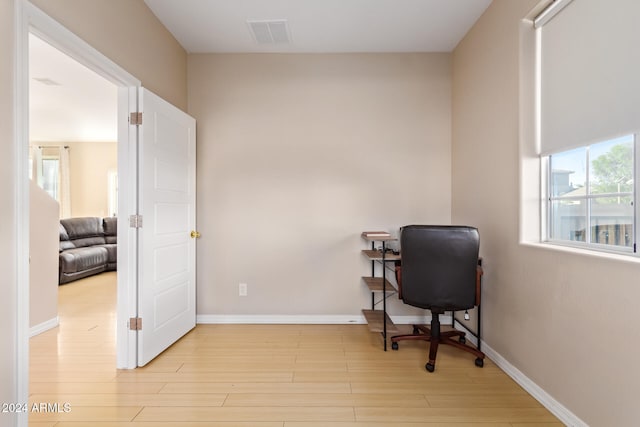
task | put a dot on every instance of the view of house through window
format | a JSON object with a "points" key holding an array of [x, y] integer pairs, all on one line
{"points": [[592, 194]]}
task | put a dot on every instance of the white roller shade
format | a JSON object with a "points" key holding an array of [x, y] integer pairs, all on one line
{"points": [[590, 73]]}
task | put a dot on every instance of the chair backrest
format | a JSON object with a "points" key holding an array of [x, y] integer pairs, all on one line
{"points": [[439, 265]]}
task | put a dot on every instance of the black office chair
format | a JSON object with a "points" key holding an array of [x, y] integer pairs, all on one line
{"points": [[439, 272]]}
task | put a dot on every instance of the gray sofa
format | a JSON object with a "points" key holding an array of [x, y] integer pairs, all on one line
{"points": [[87, 246]]}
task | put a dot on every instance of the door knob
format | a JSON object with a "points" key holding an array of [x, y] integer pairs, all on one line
{"points": [[194, 234]]}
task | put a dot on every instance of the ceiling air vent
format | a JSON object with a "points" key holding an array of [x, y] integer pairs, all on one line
{"points": [[269, 32]]}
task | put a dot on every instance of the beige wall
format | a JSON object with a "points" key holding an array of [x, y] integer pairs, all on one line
{"points": [[44, 240], [8, 286], [565, 320], [129, 34], [297, 154], [90, 164]]}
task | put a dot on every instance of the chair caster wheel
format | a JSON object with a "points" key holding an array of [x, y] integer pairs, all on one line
{"points": [[479, 362], [462, 340], [394, 345], [430, 367]]}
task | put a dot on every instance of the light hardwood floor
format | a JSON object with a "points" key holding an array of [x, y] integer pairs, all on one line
{"points": [[262, 376]]}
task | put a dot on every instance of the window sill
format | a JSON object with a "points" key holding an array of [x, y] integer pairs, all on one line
{"points": [[628, 258]]}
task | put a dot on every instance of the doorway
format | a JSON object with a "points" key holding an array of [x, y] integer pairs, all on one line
{"points": [[156, 175], [73, 133], [33, 21]]}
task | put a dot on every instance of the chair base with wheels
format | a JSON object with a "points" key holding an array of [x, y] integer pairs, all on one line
{"points": [[437, 337]]}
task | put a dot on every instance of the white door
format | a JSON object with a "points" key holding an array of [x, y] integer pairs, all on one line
{"points": [[166, 245]]}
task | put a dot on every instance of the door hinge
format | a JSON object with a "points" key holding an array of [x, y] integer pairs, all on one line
{"points": [[135, 221], [135, 323], [135, 119]]}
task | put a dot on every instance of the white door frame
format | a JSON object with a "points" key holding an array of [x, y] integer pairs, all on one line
{"points": [[31, 19]]}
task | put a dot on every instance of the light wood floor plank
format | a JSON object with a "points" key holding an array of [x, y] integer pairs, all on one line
{"points": [[237, 364], [245, 414], [89, 414], [397, 424], [208, 377], [551, 424], [92, 388], [327, 399], [272, 388], [464, 415], [135, 399], [261, 376], [388, 376], [475, 401], [458, 388], [171, 424]]}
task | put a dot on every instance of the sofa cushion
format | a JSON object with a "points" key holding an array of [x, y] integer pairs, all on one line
{"points": [[74, 260], [112, 252], [65, 243], [87, 246], [110, 225], [84, 231]]}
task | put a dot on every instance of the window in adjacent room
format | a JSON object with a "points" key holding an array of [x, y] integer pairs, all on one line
{"points": [[50, 176], [49, 169]]}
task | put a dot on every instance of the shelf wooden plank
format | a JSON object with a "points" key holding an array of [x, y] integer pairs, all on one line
{"points": [[375, 320], [375, 284], [375, 255], [379, 237]]}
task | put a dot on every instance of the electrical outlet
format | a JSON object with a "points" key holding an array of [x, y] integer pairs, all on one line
{"points": [[242, 289]]}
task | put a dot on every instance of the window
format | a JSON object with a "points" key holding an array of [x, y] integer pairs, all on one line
{"points": [[49, 168], [587, 96], [592, 195], [50, 176]]}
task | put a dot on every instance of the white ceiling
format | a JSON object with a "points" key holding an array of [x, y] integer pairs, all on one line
{"points": [[83, 107], [321, 26]]}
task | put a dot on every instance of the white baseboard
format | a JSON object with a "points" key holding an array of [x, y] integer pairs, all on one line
{"points": [[275, 319], [418, 320], [470, 338], [303, 319], [44, 326], [555, 407]]}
